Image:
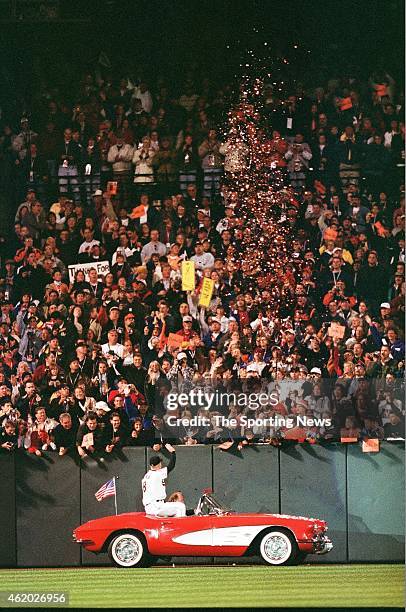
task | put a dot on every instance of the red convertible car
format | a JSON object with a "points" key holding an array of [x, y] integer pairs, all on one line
{"points": [[137, 539]]}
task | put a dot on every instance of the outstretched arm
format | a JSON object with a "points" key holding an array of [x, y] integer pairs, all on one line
{"points": [[172, 460]]}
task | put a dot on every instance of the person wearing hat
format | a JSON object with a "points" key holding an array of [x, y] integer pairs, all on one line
{"points": [[180, 374], [213, 336], [154, 488], [187, 331], [289, 343]]}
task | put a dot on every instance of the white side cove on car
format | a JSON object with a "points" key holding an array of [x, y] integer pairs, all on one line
{"points": [[223, 536]]}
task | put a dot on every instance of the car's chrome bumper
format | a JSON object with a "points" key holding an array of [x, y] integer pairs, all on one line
{"points": [[321, 544]]}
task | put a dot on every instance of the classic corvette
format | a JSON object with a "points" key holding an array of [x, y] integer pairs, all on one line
{"points": [[136, 539]]}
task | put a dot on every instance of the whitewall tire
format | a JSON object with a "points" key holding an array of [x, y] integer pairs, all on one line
{"points": [[278, 548], [128, 550]]}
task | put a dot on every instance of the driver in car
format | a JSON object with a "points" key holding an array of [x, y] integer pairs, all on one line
{"points": [[154, 488]]}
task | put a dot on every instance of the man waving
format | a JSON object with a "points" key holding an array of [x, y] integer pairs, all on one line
{"points": [[154, 488]]}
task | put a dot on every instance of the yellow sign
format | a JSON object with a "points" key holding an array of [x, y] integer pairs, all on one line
{"points": [[188, 275], [206, 292]]}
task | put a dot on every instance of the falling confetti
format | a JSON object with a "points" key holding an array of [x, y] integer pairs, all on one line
{"points": [[258, 189]]}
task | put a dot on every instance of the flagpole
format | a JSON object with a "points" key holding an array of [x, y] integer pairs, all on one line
{"points": [[115, 493]]}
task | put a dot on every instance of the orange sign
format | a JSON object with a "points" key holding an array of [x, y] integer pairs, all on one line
{"points": [[370, 445], [137, 212], [175, 340], [345, 104], [330, 234]]}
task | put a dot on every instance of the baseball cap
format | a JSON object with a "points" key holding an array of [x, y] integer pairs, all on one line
{"points": [[181, 356], [385, 305], [187, 319], [315, 371], [102, 406], [155, 460], [290, 331], [98, 192]]}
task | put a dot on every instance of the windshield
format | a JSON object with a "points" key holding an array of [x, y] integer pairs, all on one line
{"points": [[209, 505]]}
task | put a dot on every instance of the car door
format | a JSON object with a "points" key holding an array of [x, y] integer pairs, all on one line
{"points": [[182, 536], [231, 537]]}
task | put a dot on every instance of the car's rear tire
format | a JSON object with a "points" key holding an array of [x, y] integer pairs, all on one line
{"points": [[129, 550], [278, 547]]}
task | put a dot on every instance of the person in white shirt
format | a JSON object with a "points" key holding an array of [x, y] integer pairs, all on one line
{"points": [[142, 160], [394, 125], [225, 222], [112, 345], [257, 365], [120, 156], [88, 242], [154, 488], [143, 94], [201, 259]]}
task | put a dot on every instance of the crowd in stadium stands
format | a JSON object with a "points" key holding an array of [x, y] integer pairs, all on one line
{"points": [[133, 175]]}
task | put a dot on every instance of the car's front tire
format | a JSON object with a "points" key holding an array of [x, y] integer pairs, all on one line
{"points": [[129, 550], [278, 547]]}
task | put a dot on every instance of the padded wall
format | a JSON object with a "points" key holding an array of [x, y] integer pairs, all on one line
{"points": [[247, 481], [313, 484], [48, 509], [8, 549], [376, 503]]}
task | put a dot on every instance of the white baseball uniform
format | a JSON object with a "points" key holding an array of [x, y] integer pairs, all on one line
{"points": [[154, 494]]}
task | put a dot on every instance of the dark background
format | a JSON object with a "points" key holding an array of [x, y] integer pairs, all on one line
{"points": [[172, 37]]}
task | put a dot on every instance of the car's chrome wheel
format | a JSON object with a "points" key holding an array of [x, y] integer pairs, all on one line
{"points": [[127, 550], [277, 548]]}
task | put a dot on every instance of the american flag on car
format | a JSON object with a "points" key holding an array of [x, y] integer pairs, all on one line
{"points": [[106, 490]]}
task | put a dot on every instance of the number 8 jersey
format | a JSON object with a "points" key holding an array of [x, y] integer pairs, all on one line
{"points": [[154, 486]]}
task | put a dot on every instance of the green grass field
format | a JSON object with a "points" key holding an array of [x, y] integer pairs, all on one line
{"points": [[218, 586]]}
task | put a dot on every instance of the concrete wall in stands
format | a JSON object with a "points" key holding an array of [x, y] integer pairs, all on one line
{"points": [[360, 495]]}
